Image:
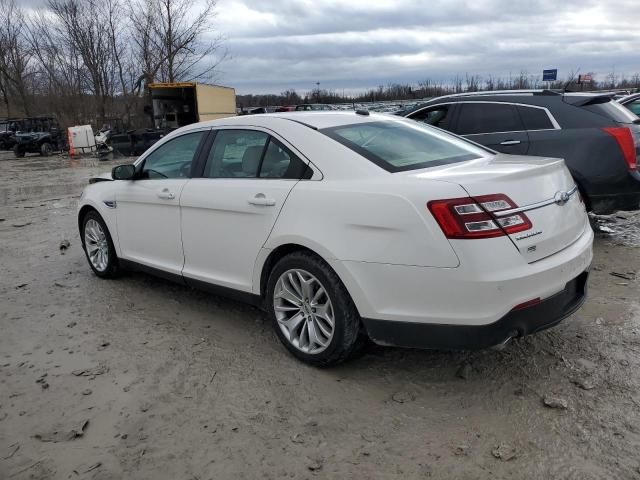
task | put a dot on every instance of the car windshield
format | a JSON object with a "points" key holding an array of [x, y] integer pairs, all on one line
{"points": [[398, 146]]}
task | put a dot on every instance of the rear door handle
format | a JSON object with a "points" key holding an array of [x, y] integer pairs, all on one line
{"points": [[165, 194], [510, 142], [261, 200]]}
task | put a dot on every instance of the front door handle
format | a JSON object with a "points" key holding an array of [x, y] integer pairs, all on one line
{"points": [[261, 200], [510, 142], [165, 194]]}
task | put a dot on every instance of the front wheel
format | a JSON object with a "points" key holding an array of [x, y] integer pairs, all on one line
{"points": [[98, 246], [312, 312], [19, 151]]}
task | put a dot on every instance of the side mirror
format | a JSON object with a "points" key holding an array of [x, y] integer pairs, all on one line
{"points": [[124, 172]]}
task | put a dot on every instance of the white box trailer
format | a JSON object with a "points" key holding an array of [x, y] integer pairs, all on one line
{"points": [[179, 104], [81, 140]]}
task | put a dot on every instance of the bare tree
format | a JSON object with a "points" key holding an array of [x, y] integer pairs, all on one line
{"points": [[80, 24], [176, 42], [119, 34], [472, 82], [15, 56], [60, 76]]}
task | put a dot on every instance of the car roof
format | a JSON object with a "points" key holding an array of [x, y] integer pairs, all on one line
{"points": [[543, 98], [313, 119]]}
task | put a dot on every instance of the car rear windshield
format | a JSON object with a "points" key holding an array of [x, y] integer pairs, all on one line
{"points": [[612, 110], [398, 146]]}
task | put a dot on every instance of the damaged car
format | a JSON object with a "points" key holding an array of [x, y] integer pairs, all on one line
{"points": [[348, 226]]}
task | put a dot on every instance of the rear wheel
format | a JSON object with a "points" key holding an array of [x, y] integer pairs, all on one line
{"points": [[46, 149], [312, 312], [98, 246]]}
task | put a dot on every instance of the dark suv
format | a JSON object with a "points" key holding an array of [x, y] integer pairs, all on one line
{"points": [[597, 137]]}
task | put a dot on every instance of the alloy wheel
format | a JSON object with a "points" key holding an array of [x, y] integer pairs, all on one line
{"points": [[304, 311], [96, 244]]}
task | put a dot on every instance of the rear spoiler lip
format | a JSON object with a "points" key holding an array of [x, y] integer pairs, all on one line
{"points": [[583, 100]]}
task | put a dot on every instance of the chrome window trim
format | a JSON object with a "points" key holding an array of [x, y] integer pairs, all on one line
{"points": [[554, 122]]}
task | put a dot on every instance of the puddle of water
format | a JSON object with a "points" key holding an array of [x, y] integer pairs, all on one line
{"points": [[11, 195]]}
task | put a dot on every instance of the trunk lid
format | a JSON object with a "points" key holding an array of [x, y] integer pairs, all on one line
{"points": [[544, 185]]}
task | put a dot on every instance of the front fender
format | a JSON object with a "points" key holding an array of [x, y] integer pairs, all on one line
{"points": [[102, 199]]}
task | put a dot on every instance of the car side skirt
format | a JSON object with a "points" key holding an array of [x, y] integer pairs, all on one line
{"points": [[244, 297]]}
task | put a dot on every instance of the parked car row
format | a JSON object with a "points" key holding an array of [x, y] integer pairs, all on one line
{"points": [[596, 136]]}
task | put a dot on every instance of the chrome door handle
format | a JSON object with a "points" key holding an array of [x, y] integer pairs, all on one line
{"points": [[166, 194], [510, 142], [261, 200]]}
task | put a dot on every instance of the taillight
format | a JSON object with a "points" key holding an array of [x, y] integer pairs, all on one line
{"points": [[468, 218], [627, 144]]}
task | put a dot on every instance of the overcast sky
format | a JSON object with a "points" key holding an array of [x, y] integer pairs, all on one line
{"points": [[355, 44], [275, 45]]}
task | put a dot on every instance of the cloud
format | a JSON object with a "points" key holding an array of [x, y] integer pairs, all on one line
{"points": [[281, 44]]}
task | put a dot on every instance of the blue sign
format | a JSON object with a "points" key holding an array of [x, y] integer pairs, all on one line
{"points": [[550, 75]]}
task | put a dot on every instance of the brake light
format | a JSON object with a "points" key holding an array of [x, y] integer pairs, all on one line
{"points": [[469, 218], [627, 144]]}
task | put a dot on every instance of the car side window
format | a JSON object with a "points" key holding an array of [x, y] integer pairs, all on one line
{"points": [[435, 116], [634, 107], [236, 154], [482, 117], [173, 159], [252, 154], [280, 162], [534, 118]]}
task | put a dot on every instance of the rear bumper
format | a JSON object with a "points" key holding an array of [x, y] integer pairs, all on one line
{"points": [[516, 323], [606, 204], [625, 197]]}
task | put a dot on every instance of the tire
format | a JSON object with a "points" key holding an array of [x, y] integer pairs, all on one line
{"points": [[19, 151], [46, 149], [347, 337], [96, 234]]}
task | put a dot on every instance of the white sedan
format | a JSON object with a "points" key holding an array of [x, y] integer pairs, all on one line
{"points": [[348, 225]]}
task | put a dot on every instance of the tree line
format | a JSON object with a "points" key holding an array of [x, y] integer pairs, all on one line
{"points": [[89, 61], [434, 88]]}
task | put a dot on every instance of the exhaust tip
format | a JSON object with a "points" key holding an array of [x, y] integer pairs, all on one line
{"points": [[501, 346]]}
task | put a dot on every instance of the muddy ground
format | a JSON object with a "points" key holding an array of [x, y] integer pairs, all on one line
{"points": [[141, 379]]}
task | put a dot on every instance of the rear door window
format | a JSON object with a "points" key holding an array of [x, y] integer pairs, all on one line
{"points": [[437, 116], [534, 118], [280, 162], [236, 154], [253, 154], [481, 117]]}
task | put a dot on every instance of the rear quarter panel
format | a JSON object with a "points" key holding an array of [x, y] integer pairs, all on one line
{"points": [[368, 221], [592, 156]]}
